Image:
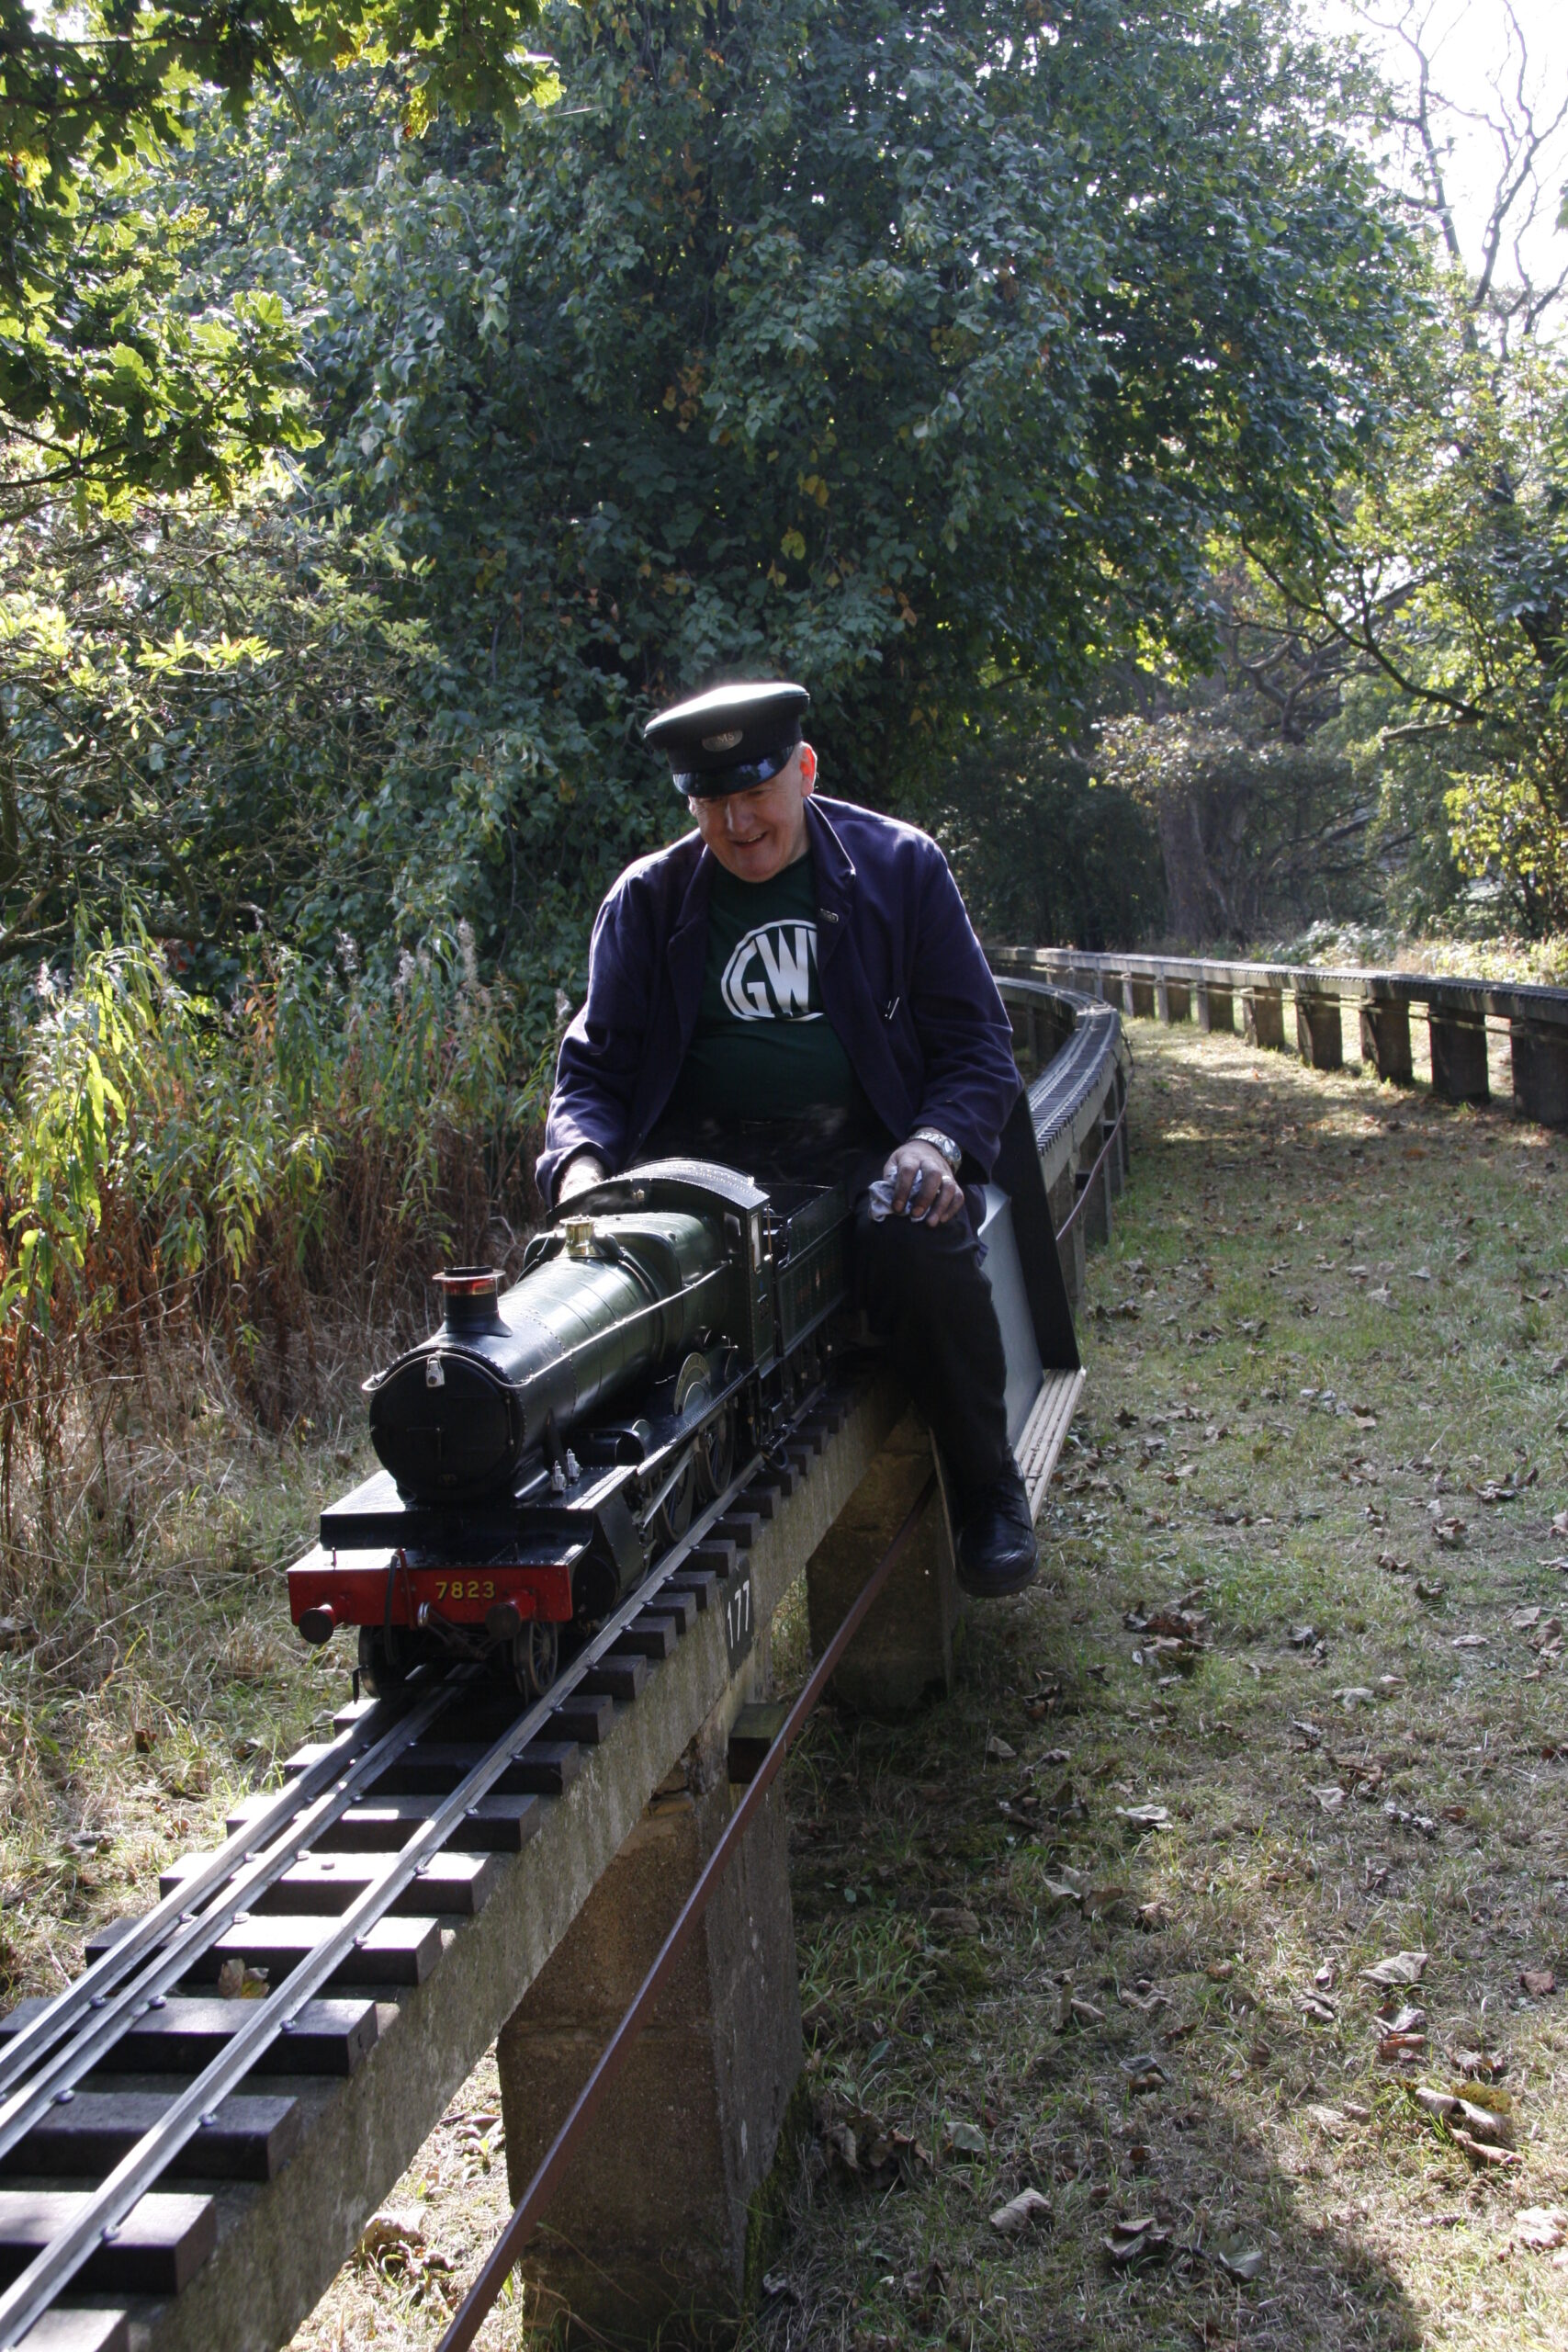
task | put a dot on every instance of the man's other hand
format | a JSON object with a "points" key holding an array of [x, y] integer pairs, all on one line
{"points": [[924, 1186], [581, 1174]]}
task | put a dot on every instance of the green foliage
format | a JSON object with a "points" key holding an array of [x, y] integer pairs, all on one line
{"points": [[187, 705], [888, 347], [1446, 581], [110, 384], [109, 381], [1046, 853], [1511, 821], [168, 1165], [1260, 813]]}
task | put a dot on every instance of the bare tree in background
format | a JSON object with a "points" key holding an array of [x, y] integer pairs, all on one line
{"points": [[1381, 725], [1517, 280]]}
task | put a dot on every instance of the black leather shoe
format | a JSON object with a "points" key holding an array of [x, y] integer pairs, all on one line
{"points": [[996, 1550]]}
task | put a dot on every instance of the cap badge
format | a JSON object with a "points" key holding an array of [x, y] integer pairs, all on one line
{"points": [[725, 742]]}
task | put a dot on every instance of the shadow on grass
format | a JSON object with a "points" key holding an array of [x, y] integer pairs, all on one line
{"points": [[1328, 1308]]}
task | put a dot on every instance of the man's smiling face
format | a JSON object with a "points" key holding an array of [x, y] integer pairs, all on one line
{"points": [[755, 834]]}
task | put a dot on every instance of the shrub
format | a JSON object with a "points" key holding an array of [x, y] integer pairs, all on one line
{"points": [[234, 1175]]}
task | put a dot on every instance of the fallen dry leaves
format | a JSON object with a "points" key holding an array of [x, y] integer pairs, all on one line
{"points": [[1398, 1968], [1021, 2213]]}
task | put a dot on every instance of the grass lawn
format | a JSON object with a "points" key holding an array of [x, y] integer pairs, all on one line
{"points": [[1285, 1703]]}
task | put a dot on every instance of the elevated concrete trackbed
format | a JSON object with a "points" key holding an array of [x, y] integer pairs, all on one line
{"points": [[1228, 995]]}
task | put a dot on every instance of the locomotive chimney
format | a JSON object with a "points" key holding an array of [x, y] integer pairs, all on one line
{"points": [[470, 1295]]}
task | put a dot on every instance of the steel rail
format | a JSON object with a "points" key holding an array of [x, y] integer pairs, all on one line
{"points": [[1077, 1210], [57, 2077], [30, 2294], [471, 2312], [91, 1989]]}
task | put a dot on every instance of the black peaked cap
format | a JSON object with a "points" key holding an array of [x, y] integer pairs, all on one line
{"points": [[731, 738]]}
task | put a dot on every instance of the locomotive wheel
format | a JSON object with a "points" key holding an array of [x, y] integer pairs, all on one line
{"points": [[674, 1514], [675, 1511], [536, 1655], [381, 1671], [715, 1456]]}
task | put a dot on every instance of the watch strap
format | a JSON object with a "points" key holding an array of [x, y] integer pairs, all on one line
{"points": [[952, 1152]]}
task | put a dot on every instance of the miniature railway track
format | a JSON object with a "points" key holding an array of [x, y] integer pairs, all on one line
{"points": [[142, 2074]]}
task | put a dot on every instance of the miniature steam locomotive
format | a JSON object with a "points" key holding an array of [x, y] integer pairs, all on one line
{"points": [[546, 1441]]}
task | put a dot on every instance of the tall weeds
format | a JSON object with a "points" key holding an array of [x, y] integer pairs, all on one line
{"points": [[252, 1193]]}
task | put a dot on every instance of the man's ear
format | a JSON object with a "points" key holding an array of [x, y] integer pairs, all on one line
{"points": [[807, 768]]}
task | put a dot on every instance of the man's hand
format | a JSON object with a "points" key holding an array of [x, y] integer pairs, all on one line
{"points": [[581, 1174], [925, 1187]]}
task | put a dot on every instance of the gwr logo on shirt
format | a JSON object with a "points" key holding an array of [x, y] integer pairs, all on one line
{"points": [[772, 976]]}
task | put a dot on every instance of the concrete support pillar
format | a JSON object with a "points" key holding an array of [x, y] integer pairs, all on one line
{"points": [[1137, 997], [1385, 1039], [1173, 1000], [1320, 1037], [1264, 1014], [1459, 1057], [655, 2218], [1540, 1071], [902, 1654], [1216, 1008]]}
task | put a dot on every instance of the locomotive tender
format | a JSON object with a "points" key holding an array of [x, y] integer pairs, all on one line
{"points": [[545, 1443]]}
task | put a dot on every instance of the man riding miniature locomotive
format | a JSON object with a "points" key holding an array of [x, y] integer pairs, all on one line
{"points": [[796, 990]]}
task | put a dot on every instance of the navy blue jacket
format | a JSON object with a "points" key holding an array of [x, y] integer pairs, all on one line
{"points": [[904, 983]]}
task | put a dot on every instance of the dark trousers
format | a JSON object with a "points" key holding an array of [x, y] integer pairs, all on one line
{"points": [[923, 1289], [923, 1286]]}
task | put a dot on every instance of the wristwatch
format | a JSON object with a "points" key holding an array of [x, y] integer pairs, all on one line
{"points": [[952, 1152]]}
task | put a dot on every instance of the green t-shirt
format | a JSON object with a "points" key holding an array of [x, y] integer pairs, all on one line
{"points": [[763, 1048]]}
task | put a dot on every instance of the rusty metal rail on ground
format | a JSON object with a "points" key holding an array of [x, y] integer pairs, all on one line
{"points": [[525, 2214]]}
